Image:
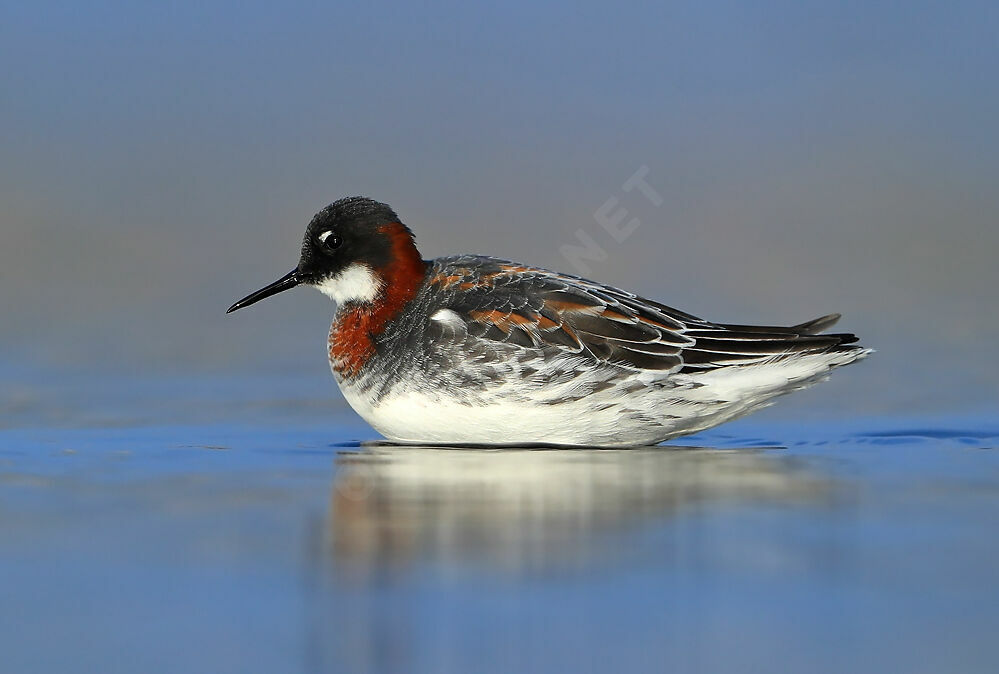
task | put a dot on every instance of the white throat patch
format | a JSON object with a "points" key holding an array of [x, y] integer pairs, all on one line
{"points": [[356, 283]]}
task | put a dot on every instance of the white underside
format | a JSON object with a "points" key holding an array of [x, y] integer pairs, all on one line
{"points": [[617, 416]]}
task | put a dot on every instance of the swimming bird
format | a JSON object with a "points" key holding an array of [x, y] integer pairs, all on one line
{"points": [[477, 350]]}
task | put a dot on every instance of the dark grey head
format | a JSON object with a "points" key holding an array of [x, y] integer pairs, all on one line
{"points": [[346, 249]]}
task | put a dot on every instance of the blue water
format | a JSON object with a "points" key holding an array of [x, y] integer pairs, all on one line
{"points": [[275, 542]]}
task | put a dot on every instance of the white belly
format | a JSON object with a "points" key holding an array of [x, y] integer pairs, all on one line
{"points": [[637, 410], [419, 418]]}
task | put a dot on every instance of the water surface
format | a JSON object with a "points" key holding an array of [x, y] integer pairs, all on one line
{"points": [[264, 545]]}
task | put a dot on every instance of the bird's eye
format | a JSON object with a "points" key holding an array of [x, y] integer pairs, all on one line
{"points": [[329, 240]]}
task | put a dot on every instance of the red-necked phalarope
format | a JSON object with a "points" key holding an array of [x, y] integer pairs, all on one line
{"points": [[477, 350]]}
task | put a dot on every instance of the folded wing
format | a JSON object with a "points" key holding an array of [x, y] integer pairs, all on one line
{"points": [[535, 309]]}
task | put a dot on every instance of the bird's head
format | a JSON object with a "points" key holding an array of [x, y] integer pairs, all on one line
{"points": [[355, 250]]}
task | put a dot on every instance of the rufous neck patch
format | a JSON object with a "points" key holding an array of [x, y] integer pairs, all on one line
{"points": [[351, 338]]}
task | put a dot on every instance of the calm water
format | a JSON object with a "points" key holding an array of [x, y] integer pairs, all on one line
{"points": [[273, 543]]}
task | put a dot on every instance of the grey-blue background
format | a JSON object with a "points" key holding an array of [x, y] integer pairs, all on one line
{"points": [[182, 490], [158, 161]]}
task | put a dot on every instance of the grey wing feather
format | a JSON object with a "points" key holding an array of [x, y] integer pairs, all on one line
{"points": [[538, 309]]}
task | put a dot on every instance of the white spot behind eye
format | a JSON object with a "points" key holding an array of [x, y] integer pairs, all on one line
{"points": [[325, 235]]}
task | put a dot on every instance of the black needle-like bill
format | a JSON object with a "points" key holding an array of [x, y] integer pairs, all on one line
{"points": [[286, 282]]}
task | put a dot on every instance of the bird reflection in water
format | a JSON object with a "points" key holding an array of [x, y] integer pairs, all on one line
{"points": [[521, 510]]}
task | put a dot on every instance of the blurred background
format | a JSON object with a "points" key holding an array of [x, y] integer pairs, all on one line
{"points": [[159, 161], [182, 490]]}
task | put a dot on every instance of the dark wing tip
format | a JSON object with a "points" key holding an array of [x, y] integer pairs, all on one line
{"points": [[817, 325], [844, 337], [812, 327]]}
